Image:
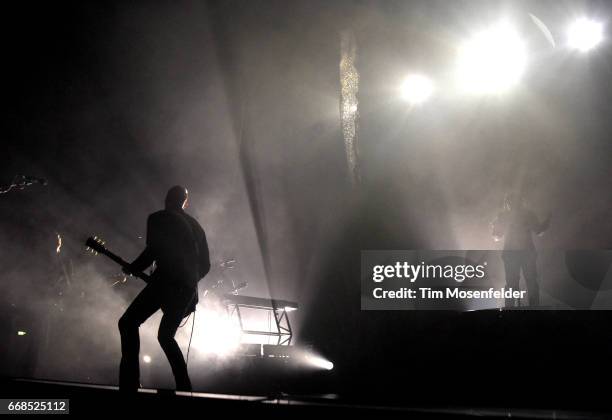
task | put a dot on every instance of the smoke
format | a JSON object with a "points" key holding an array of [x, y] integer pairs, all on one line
{"points": [[137, 98]]}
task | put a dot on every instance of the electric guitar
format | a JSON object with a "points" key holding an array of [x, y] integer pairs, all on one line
{"points": [[96, 246]]}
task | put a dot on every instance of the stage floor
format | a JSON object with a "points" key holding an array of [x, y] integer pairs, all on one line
{"points": [[92, 399]]}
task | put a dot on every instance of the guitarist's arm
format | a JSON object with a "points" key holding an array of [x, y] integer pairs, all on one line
{"points": [[142, 262]]}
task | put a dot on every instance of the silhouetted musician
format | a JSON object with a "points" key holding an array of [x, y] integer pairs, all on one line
{"points": [[177, 244], [515, 225]]}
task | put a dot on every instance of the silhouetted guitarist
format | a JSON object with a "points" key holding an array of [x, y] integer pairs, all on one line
{"points": [[177, 244], [516, 225]]}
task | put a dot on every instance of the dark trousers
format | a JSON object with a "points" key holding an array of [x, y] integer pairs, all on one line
{"points": [[175, 303], [525, 261]]}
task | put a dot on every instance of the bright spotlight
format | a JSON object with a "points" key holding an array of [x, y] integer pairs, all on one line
{"points": [[216, 333], [416, 89], [146, 358], [492, 60], [584, 34], [319, 362], [21, 333]]}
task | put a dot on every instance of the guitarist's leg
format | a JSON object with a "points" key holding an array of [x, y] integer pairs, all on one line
{"points": [[530, 272], [512, 270], [146, 304], [173, 316]]}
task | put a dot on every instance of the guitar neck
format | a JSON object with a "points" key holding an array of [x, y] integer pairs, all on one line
{"points": [[125, 264]]}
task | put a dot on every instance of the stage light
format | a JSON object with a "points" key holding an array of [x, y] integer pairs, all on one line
{"points": [[584, 34], [21, 333], [416, 89], [146, 358], [492, 60], [216, 333], [319, 362]]}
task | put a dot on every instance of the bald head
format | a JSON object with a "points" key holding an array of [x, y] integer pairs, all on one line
{"points": [[176, 198]]}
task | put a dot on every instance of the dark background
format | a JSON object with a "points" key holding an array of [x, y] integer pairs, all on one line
{"points": [[115, 102]]}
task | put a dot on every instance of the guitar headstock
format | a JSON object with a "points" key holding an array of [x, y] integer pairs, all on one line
{"points": [[95, 245]]}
